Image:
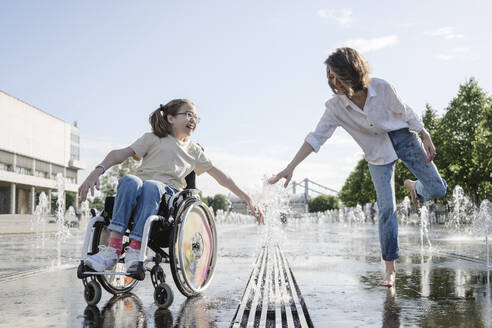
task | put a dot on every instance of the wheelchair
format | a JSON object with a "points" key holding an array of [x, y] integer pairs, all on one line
{"points": [[184, 226]]}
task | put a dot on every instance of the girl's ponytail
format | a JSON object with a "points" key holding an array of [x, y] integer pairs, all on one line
{"points": [[158, 118]]}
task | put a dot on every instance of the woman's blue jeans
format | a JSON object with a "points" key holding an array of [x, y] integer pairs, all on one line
{"points": [[139, 197], [429, 186]]}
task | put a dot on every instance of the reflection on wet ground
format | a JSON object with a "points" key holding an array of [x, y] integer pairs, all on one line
{"points": [[337, 267], [431, 290], [127, 311]]}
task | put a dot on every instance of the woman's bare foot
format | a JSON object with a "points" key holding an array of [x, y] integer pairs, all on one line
{"points": [[389, 280], [410, 186]]}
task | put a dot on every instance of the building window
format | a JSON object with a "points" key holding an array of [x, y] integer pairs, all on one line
{"points": [[7, 159], [5, 167], [55, 169], [74, 152], [71, 176], [22, 170], [75, 138], [41, 174], [24, 162], [74, 146]]}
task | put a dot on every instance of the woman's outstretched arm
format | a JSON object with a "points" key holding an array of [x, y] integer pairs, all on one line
{"points": [[114, 157], [286, 173]]}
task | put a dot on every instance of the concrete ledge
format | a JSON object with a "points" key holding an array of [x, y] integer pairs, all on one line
{"points": [[38, 182]]}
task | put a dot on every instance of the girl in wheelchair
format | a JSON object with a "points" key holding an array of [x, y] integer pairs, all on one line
{"points": [[168, 156]]}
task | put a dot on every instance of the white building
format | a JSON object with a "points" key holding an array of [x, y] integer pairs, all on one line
{"points": [[34, 147]]}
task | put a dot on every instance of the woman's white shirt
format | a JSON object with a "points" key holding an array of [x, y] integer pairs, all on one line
{"points": [[383, 111]]}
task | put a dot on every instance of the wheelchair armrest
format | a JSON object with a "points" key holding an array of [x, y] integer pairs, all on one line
{"points": [[163, 206], [191, 180], [107, 213]]}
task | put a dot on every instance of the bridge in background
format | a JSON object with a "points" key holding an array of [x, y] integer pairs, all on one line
{"points": [[297, 203], [309, 186]]}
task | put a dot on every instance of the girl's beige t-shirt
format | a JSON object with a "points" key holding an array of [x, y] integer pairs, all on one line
{"points": [[168, 159]]}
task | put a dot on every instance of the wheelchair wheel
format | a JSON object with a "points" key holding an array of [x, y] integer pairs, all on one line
{"points": [[92, 293], [193, 247], [114, 284], [163, 296]]}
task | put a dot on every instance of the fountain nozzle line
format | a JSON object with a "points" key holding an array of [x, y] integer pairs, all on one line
{"points": [[272, 297]]}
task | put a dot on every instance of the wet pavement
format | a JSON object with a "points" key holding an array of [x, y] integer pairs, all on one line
{"points": [[336, 266]]}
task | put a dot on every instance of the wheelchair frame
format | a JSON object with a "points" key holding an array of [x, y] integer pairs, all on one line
{"points": [[172, 215]]}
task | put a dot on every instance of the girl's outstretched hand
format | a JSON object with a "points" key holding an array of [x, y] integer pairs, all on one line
{"points": [[257, 213], [285, 173], [91, 182]]}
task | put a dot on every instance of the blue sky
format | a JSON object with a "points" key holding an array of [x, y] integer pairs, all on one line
{"points": [[254, 68]]}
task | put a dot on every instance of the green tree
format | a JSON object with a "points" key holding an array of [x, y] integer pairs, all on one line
{"points": [[54, 199], [97, 203], [431, 121], [217, 202], [109, 181], [482, 150], [205, 199], [465, 148], [358, 188], [322, 203], [69, 200]]}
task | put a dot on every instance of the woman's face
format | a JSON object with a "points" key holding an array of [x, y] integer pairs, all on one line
{"points": [[334, 81], [185, 121]]}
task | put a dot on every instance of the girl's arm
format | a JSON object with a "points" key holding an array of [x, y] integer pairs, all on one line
{"points": [[286, 173], [226, 181], [116, 156]]}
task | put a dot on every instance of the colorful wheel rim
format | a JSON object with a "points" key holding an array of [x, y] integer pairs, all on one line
{"points": [[195, 248]]}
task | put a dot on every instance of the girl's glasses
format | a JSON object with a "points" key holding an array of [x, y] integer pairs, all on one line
{"points": [[190, 115]]}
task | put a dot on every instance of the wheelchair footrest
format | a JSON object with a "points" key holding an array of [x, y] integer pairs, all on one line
{"points": [[106, 273], [139, 272], [81, 274]]}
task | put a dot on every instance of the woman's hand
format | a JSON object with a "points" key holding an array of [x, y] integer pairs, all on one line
{"points": [[428, 145], [257, 212], [285, 173], [90, 182]]}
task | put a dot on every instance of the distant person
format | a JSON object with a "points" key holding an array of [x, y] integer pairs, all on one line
{"points": [[386, 128], [168, 156], [372, 212]]}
